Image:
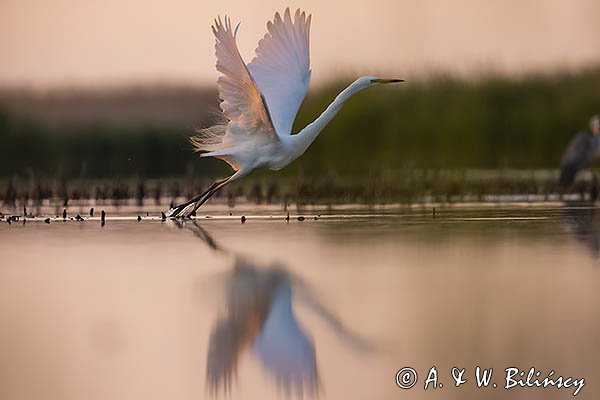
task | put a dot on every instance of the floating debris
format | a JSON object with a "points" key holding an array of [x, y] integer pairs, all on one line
{"points": [[163, 217], [243, 219], [47, 220], [92, 212], [139, 218], [25, 215], [301, 218], [64, 213], [78, 217]]}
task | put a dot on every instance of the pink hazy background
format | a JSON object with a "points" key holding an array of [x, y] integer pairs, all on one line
{"points": [[68, 42]]}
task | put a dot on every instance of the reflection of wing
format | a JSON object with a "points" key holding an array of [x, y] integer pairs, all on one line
{"points": [[247, 302], [223, 351], [241, 101], [281, 68], [284, 349], [306, 296]]}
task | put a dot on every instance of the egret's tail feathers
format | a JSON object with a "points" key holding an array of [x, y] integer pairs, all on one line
{"points": [[208, 139]]}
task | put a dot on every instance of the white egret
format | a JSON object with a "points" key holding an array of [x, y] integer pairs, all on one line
{"points": [[260, 101]]}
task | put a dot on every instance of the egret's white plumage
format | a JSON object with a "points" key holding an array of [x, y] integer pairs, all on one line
{"points": [[281, 68], [260, 101]]}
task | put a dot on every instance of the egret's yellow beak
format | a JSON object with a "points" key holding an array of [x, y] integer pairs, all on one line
{"points": [[386, 80]]}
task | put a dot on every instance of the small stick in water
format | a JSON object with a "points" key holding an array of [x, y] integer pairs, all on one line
{"points": [[92, 212], [64, 213], [288, 217], [103, 218]]}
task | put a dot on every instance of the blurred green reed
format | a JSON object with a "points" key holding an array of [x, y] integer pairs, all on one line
{"points": [[434, 124]]}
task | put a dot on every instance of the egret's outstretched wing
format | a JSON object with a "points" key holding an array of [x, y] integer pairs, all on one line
{"points": [[281, 68], [241, 101]]}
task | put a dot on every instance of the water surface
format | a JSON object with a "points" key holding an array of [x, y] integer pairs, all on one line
{"points": [[330, 307]]}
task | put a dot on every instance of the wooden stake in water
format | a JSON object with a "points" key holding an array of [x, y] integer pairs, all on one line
{"points": [[92, 212], [64, 213], [103, 218]]}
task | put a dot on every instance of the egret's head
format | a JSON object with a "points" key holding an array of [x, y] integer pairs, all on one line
{"points": [[368, 81], [595, 125]]}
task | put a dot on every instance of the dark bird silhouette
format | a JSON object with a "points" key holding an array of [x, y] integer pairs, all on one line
{"points": [[580, 153]]}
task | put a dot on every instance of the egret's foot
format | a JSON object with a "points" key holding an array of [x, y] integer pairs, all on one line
{"points": [[182, 211]]}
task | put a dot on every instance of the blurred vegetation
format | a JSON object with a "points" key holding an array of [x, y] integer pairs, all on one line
{"points": [[440, 123]]}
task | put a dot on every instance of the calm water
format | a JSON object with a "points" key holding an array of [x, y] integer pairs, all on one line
{"points": [[332, 307]]}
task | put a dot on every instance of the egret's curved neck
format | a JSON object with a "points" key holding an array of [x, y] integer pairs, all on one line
{"points": [[306, 136]]}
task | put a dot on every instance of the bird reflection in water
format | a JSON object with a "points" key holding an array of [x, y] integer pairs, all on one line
{"points": [[583, 223], [260, 318]]}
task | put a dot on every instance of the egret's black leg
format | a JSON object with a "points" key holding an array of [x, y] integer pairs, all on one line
{"points": [[176, 211], [210, 193]]}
